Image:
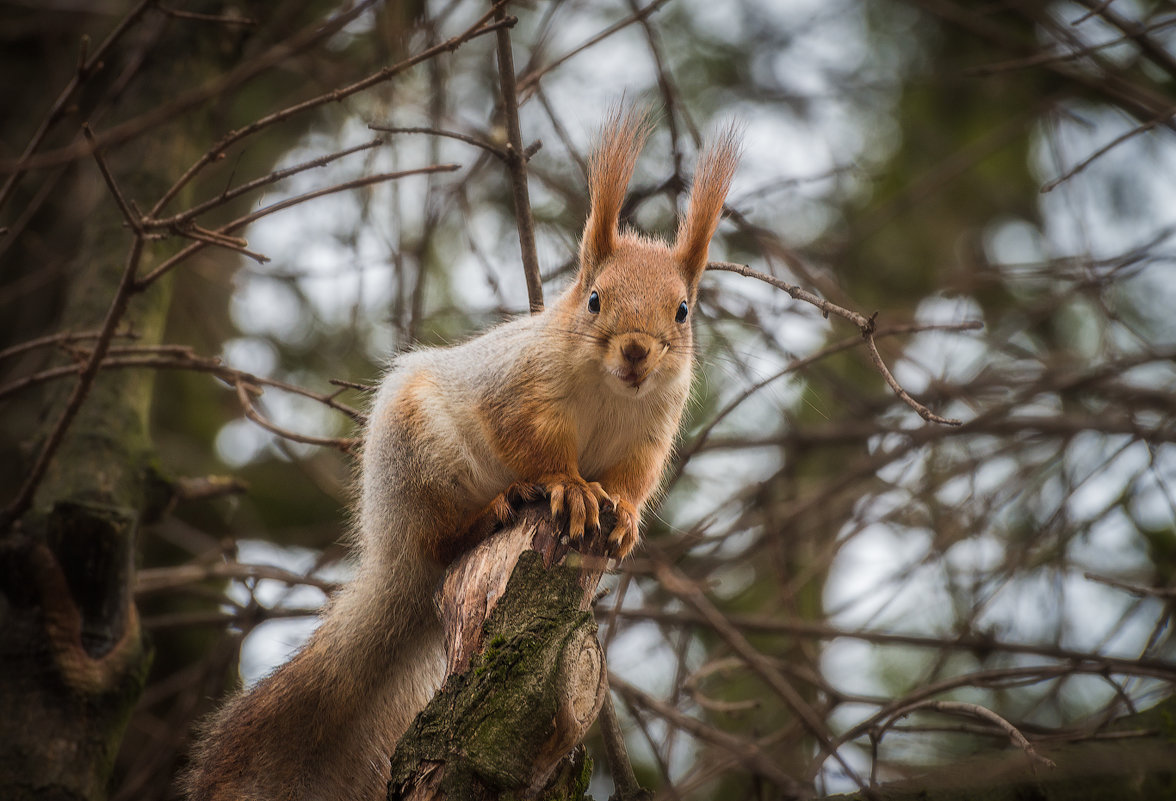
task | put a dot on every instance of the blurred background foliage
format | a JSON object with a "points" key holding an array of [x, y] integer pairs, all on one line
{"points": [[925, 160]]}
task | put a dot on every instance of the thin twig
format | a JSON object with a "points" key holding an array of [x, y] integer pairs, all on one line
{"points": [[1049, 57], [168, 112], [687, 591], [1104, 5], [774, 625], [1167, 593], [826, 307], [344, 444], [173, 357], [123, 206], [219, 240], [866, 325], [699, 440], [958, 708], [89, 63], [273, 177], [63, 338], [745, 752], [1160, 118], [339, 382], [904, 396], [624, 779], [1002, 677], [497, 152], [449, 45], [152, 580], [517, 165], [241, 222], [531, 78], [215, 18]]}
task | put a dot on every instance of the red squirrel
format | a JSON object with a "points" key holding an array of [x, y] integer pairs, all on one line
{"points": [[580, 402]]}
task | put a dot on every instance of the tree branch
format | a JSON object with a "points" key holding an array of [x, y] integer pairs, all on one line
{"points": [[516, 162]]}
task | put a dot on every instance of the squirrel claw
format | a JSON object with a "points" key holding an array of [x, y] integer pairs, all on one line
{"points": [[624, 535], [576, 500], [522, 492]]}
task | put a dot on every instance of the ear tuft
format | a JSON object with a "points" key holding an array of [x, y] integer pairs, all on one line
{"points": [[712, 181], [609, 171]]}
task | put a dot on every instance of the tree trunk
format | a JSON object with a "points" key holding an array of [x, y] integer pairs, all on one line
{"points": [[73, 660]]}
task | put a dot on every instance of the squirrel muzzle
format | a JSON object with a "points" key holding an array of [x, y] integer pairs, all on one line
{"points": [[633, 356]]}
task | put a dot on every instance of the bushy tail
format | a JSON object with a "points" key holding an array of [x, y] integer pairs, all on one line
{"points": [[323, 725]]}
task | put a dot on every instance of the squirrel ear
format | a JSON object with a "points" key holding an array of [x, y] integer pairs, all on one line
{"points": [[609, 171], [712, 180]]}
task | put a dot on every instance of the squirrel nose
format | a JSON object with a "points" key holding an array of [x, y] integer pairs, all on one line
{"points": [[634, 352]]}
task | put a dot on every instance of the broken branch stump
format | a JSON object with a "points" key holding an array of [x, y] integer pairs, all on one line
{"points": [[526, 674]]}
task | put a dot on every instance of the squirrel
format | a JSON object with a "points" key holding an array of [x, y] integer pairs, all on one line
{"points": [[580, 402]]}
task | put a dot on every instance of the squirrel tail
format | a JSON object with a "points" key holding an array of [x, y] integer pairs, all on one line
{"points": [[326, 721]]}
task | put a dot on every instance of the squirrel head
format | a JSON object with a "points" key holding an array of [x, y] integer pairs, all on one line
{"points": [[634, 295]]}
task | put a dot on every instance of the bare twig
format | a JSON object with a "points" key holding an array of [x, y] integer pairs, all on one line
{"points": [[860, 320], [273, 177], [516, 162], [532, 77], [497, 152], [64, 338], [161, 579], [219, 19], [186, 101], [449, 45], [1049, 57], [88, 64], [621, 769], [905, 396], [1167, 593], [958, 708], [168, 264], [676, 583], [339, 382], [1159, 119], [219, 240], [1093, 12], [744, 751], [244, 390], [123, 206], [865, 324], [169, 357]]}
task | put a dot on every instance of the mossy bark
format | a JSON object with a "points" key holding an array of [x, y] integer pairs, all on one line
{"points": [[492, 729], [74, 657]]}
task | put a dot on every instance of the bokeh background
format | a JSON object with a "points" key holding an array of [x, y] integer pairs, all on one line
{"points": [[995, 181]]}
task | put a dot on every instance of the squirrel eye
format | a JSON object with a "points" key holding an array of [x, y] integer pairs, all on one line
{"points": [[594, 303], [683, 310]]}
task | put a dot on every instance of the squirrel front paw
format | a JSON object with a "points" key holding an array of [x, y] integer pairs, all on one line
{"points": [[580, 500], [506, 504], [501, 510], [624, 535]]}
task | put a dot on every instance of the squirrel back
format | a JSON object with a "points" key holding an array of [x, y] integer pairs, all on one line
{"points": [[580, 403]]}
